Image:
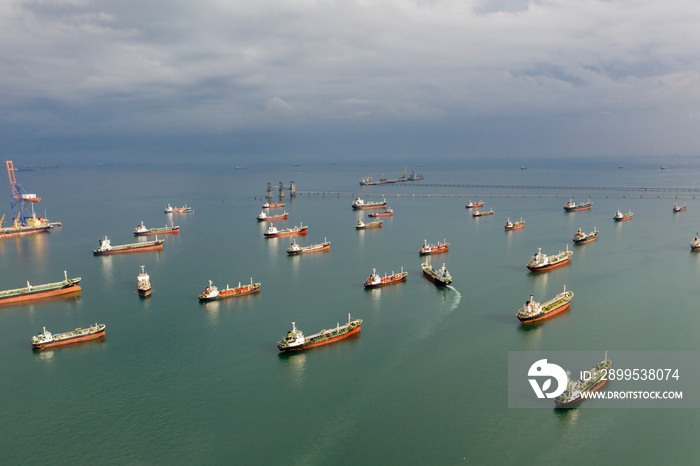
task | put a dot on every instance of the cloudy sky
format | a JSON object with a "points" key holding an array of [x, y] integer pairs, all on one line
{"points": [[453, 78]]}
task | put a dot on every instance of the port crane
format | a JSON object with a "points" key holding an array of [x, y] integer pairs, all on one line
{"points": [[21, 202]]}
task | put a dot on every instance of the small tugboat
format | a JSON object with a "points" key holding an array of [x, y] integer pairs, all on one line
{"points": [[695, 244], [678, 208], [542, 262], [576, 390], [364, 226], [582, 238], [295, 249], [440, 277], [107, 248], [141, 230], [47, 340], [471, 204], [375, 281], [143, 283], [520, 224], [296, 341], [481, 213], [571, 206], [387, 213], [273, 232], [212, 293], [433, 248], [168, 209], [533, 311], [620, 217], [263, 217], [267, 205], [360, 204], [32, 292]]}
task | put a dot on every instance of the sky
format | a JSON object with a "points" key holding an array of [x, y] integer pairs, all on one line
{"points": [[350, 78]]}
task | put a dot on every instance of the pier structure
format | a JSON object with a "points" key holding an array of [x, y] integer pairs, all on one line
{"points": [[291, 187]]}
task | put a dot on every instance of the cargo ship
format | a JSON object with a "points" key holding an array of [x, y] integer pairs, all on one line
{"points": [[571, 206], [143, 283], [212, 293], [428, 249], [48, 340], [375, 281], [577, 391], [678, 208], [533, 311], [387, 213], [296, 341], [695, 244], [273, 232], [519, 225], [542, 262], [107, 248], [620, 217], [295, 249], [178, 210], [440, 277], [471, 205], [364, 226], [481, 213], [583, 238], [32, 292], [141, 230], [263, 217], [360, 204], [267, 205]]}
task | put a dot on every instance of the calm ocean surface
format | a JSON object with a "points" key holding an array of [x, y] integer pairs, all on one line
{"points": [[176, 381]]}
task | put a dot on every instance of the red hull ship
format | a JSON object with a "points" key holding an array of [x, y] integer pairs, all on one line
{"points": [[428, 249], [273, 232], [296, 341], [212, 293], [375, 281], [34, 292], [571, 206], [47, 340], [263, 217], [471, 204], [533, 311], [519, 225], [364, 226], [387, 213], [481, 213], [141, 230], [267, 205], [678, 208], [583, 238], [541, 262], [620, 217]]}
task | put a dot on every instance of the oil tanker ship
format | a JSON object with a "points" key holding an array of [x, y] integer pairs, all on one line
{"points": [[212, 293], [263, 217], [571, 206], [620, 217], [375, 281], [520, 224], [429, 249], [576, 391], [273, 232], [533, 311], [295, 249], [360, 204], [364, 226], [542, 262], [440, 277], [143, 282], [582, 238], [107, 248], [32, 292], [296, 341], [141, 230], [47, 339]]}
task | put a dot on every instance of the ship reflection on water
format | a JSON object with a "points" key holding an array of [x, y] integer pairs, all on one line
{"points": [[295, 365]]}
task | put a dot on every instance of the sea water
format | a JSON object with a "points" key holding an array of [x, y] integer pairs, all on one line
{"points": [[177, 381]]}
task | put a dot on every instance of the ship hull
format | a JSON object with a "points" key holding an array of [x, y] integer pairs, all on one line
{"points": [[203, 298], [268, 219], [482, 214], [157, 232], [368, 226], [129, 248], [370, 206], [389, 282], [515, 227], [144, 293], [307, 251], [31, 296], [285, 233], [435, 280], [9, 232], [578, 400], [544, 268], [70, 341], [589, 239], [578, 208], [434, 251], [320, 343], [546, 315], [622, 219]]}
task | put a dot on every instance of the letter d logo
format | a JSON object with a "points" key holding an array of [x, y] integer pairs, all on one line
{"points": [[542, 369]]}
